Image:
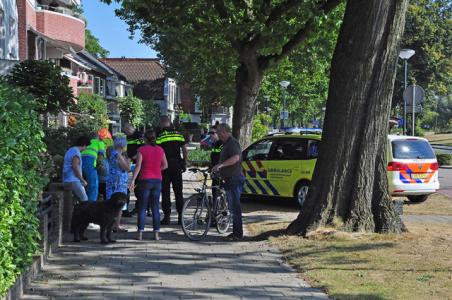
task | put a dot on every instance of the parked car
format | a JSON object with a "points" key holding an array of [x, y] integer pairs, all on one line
{"points": [[282, 165]]}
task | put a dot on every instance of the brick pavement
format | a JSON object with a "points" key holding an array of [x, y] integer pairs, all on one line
{"points": [[172, 268]]}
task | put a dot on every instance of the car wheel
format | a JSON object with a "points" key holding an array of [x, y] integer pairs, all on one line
{"points": [[418, 198], [301, 193]]}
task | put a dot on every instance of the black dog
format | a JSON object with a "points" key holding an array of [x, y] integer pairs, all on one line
{"points": [[102, 213]]}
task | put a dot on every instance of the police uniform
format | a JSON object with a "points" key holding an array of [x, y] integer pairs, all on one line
{"points": [[89, 165], [172, 142], [215, 152]]}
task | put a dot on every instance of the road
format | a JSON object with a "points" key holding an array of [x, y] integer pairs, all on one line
{"points": [[445, 181], [442, 149]]}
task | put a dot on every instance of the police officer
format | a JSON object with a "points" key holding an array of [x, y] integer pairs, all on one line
{"points": [[173, 143], [92, 156], [134, 141], [217, 146]]}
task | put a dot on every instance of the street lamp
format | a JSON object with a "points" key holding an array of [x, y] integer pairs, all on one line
{"points": [[405, 54], [284, 84]]}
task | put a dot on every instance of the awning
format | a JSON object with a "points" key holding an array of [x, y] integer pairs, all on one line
{"points": [[69, 57]]}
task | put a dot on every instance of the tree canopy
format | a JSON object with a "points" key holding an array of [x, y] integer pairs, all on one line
{"points": [[223, 48], [93, 46]]}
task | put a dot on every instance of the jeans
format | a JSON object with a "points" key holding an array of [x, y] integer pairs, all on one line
{"points": [[90, 175], [148, 190], [172, 175], [234, 187], [78, 189]]}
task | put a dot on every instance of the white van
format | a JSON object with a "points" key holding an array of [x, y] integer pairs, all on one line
{"points": [[412, 168]]}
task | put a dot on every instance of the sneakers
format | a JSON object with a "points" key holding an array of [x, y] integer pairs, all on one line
{"points": [[92, 226]]}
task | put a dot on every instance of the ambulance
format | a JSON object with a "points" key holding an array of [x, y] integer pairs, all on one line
{"points": [[282, 165]]}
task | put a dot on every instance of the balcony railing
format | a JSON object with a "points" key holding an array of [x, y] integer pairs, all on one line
{"points": [[61, 10]]}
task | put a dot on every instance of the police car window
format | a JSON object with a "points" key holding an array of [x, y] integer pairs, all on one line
{"points": [[259, 151], [412, 149], [313, 149], [289, 149]]}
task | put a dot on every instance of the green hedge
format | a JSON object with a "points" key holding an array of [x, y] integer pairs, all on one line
{"points": [[21, 161], [199, 157], [444, 159]]}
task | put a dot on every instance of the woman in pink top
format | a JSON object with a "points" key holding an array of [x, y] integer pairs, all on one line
{"points": [[151, 161]]}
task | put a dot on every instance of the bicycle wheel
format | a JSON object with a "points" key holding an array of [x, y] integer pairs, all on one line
{"points": [[196, 217], [223, 216]]}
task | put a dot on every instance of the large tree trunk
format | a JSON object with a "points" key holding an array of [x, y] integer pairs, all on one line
{"points": [[350, 176], [248, 82]]}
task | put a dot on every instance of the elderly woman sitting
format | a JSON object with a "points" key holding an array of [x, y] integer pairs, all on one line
{"points": [[117, 179]]}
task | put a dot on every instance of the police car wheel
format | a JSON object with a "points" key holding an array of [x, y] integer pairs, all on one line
{"points": [[301, 193], [417, 198]]}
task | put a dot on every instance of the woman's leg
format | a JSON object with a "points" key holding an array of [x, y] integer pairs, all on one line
{"points": [[143, 193], [155, 201]]}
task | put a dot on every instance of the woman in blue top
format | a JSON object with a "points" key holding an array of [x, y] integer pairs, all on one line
{"points": [[118, 177]]}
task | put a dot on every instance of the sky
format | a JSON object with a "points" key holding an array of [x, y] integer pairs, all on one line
{"points": [[112, 31]]}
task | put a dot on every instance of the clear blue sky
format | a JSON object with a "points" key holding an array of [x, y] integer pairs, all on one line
{"points": [[112, 31]]}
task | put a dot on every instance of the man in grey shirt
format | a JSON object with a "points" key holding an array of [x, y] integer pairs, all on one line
{"points": [[230, 169]]}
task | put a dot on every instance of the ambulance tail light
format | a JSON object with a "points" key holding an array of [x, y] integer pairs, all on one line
{"points": [[397, 166], [434, 166]]}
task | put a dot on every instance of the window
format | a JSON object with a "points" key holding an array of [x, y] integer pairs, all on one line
{"points": [[289, 149], [96, 85], [41, 48], [313, 149], [412, 149], [258, 151]]}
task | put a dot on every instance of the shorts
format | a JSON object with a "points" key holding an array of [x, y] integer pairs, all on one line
{"points": [[78, 189]]}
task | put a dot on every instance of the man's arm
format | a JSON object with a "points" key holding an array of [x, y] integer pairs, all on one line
{"points": [[230, 161], [185, 152], [77, 171]]}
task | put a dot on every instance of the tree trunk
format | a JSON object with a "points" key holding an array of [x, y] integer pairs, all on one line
{"points": [[248, 82], [350, 182]]}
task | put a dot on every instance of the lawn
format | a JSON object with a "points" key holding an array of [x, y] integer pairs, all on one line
{"points": [[414, 265], [436, 204], [439, 139]]}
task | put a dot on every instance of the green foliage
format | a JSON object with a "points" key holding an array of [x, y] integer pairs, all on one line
{"points": [[93, 46], [45, 82], [151, 113], [427, 31], [185, 117], [199, 157], [21, 181], [93, 110], [204, 43], [444, 159], [58, 140], [260, 126], [132, 110]]}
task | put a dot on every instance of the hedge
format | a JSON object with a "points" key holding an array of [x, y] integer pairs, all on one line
{"points": [[444, 159], [21, 182], [198, 157]]}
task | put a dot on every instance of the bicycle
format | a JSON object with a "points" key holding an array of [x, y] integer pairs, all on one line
{"points": [[200, 208]]}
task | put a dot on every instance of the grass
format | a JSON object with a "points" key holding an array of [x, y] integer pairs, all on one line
{"points": [[436, 204], [413, 265], [441, 139]]}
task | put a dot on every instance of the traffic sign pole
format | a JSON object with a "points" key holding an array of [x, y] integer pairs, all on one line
{"points": [[414, 104]]}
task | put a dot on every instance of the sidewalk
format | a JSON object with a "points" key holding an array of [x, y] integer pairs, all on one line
{"points": [[172, 268]]}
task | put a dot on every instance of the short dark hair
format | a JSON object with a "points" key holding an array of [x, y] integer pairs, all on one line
{"points": [[150, 138], [82, 141]]}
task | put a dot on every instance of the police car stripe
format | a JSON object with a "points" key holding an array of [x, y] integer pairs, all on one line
{"points": [[259, 185], [250, 187], [271, 187]]}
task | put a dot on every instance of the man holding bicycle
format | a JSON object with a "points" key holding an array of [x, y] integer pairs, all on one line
{"points": [[230, 169]]}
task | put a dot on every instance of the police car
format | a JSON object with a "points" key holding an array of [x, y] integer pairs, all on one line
{"points": [[282, 165]]}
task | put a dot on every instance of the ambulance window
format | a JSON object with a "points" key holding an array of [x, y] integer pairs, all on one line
{"points": [[289, 149], [412, 149], [258, 151], [313, 149]]}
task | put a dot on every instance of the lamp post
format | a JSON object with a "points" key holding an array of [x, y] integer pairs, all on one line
{"points": [[405, 54], [284, 84]]}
